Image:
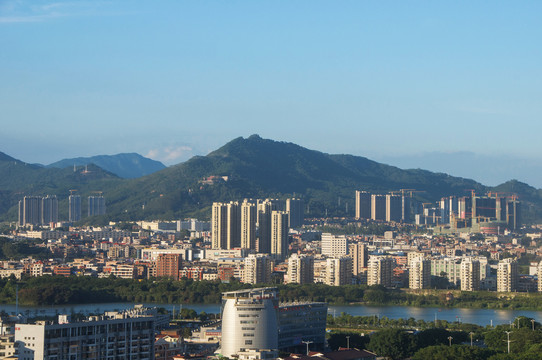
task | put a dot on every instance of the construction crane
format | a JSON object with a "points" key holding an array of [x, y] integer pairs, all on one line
{"points": [[98, 192], [472, 192], [72, 191]]}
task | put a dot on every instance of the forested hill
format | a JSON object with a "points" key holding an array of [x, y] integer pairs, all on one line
{"points": [[256, 167], [127, 166]]}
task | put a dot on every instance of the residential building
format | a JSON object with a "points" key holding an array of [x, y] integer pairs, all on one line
{"points": [[378, 207], [334, 245], [295, 210], [169, 265], [74, 211], [470, 274], [96, 205], [257, 269], [419, 275], [279, 234], [30, 210], [219, 226], [49, 209], [507, 275], [300, 269], [248, 225], [338, 271], [363, 205], [380, 271], [394, 206], [360, 257]]}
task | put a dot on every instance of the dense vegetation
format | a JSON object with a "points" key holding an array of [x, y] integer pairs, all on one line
{"points": [[417, 339], [256, 167], [57, 290]]}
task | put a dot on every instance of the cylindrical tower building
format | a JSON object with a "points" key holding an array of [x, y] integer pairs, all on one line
{"points": [[249, 320]]}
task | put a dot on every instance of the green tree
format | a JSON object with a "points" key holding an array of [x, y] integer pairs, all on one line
{"points": [[454, 352], [392, 344]]}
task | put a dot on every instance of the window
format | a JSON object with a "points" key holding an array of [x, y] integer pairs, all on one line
{"points": [[248, 342]]}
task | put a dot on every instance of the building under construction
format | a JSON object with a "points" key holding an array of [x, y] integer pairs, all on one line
{"points": [[490, 214]]}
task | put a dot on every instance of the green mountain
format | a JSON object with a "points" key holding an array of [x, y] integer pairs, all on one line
{"points": [[253, 167], [126, 166], [18, 179]]}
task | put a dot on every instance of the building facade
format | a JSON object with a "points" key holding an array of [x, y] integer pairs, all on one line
{"points": [[114, 335]]}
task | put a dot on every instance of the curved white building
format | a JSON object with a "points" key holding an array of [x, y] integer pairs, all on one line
{"points": [[249, 320]]}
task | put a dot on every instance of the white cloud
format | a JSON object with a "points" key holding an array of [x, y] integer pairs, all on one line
{"points": [[24, 12], [171, 154]]}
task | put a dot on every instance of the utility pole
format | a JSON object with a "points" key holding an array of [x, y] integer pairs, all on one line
{"points": [[307, 343], [532, 322], [450, 340], [508, 341], [348, 341], [471, 333]]}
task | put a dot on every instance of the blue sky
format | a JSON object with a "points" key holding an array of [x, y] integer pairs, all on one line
{"points": [[170, 79]]}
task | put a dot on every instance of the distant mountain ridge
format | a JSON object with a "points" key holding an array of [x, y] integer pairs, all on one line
{"points": [[125, 165], [255, 168]]}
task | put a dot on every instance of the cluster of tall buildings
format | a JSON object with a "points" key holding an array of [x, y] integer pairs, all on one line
{"points": [[43, 210], [389, 207], [486, 213], [338, 263], [38, 210], [259, 225]]}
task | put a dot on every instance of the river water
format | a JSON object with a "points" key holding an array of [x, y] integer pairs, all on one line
{"points": [[473, 316]]}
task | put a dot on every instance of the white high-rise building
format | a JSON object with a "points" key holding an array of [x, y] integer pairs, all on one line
{"points": [[540, 276], [226, 225], [300, 269], [380, 271], [419, 274], [258, 268], [334, 245], [470, 274], [360, 257], [507, 275]]}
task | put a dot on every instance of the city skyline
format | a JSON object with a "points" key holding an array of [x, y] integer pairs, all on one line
{"points": [[379, 80]]}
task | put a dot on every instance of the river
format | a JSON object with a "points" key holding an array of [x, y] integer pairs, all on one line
{"points": [[473, 316]]}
